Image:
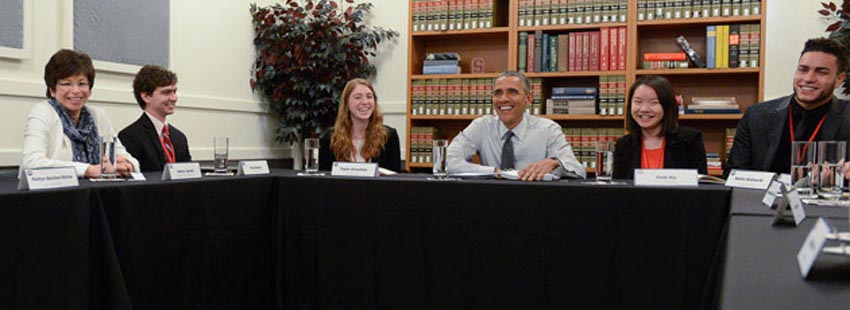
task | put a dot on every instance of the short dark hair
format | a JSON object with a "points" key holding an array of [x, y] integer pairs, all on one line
{"points": [[829, 46], [148, 79], [64, 64], [667, 98], [522, 78]]}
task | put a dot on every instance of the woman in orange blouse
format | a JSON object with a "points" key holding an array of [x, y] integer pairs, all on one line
{"points": [[655, 140]]}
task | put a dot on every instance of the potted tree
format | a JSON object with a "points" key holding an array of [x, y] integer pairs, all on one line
{"points": [[306, 52]]}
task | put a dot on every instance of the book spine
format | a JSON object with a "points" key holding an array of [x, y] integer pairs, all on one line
{"points": [[585, 51], [572, 51], [563, 48], [553, 53], [538, 51], [734, 43], [604, 49], [532, 47], [545, 54], [755, 43], [522, 52], [440, 70], [621, 53], [594, 51], [664, 56], [710, 46]]}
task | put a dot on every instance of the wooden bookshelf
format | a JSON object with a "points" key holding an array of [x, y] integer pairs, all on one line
{"points": [[498, 46]]}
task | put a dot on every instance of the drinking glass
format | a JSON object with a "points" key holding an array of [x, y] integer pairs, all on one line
{"points": [[311, 156], [107, 158], [831, 168], [604, 161], [439, 156], [220, 148], [802, 161]]}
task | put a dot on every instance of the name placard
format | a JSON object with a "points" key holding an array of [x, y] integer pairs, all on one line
{"points": [[349, 169], [666, 177], [35, 179], [253, 167], [811, 247], [181, 171], [790, 199], [749, 179], [774, 190]]}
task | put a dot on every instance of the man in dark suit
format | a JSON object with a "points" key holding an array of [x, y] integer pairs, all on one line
{"points": [[765, 133], [151, 139]]}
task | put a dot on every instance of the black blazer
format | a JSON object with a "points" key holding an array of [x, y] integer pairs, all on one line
{"points": [[759, 131], [142, 141], [683, 149], [389, 158]]}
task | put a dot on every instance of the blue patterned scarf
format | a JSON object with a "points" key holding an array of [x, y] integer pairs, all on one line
{"points": [[85, 142]]}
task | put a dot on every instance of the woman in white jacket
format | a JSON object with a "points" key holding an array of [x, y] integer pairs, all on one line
{"points": [[63, 131]]}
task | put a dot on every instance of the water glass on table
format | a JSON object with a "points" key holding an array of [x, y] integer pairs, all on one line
{"points": [[311, 156], [604, 161], [803, 160], [831, 157], [439, 156], [220, 150], [108, 168]]}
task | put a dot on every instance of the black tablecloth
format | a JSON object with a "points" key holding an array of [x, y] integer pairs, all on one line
{"points": [[402, 242], [398, 244]]}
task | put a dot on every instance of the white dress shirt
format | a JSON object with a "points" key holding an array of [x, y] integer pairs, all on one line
{"points": [[534, 139]]}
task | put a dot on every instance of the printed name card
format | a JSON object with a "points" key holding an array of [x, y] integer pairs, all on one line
{"points": [[774, 190], [749, 179], [34, 179], [348, 169], [666, 177], [181, 171], [811, 247], [790, 198], [253, 167]]}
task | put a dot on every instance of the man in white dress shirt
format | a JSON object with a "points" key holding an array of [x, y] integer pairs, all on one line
{"points": [[511, 139]]}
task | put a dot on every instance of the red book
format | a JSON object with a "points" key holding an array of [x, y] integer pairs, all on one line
{"points": [[585, 51], [621, 53], [664, 56], [613, 49], [593, 50], [603, 49], [572, 51]]}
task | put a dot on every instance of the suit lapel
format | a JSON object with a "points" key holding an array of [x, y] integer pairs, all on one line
{"points": [[153, 137], [774, 132], [833, 121]]}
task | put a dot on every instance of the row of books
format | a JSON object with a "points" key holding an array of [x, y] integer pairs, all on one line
{"points": [[665, 61], [608, 99], [563, 12], [713, 162], [441, 15], [732, 46], [421, 141], [677, 9], [603, 50], [713, 105], [451, 96], [583, 142], [441, 63]]}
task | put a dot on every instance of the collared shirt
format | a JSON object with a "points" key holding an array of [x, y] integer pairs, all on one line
{"points": [[156, 124], [534, 139], [805, 123]]}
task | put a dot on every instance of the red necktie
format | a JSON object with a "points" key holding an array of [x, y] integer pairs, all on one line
{"points": [[167, 146]]}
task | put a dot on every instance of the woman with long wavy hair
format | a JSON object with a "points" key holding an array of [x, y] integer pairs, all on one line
{"points": [[359, 134]]}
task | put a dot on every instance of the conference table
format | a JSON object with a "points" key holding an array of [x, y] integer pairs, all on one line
{"points": [[282, 241]]}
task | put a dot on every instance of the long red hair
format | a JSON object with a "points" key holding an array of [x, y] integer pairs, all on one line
{"points": [[376, 134]]}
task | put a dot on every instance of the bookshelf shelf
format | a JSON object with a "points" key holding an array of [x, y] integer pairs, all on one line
{"points": [[570, 27], [573, 74], [698, 71], [711, 117], [663, 23], [499, 47], [446, 33], [454, 76]]}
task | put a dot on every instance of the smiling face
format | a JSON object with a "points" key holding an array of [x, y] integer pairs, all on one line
{"points": [[647, 110], [161, 102], [510, 99], [72, 93], [816, 78], [361, 103]]}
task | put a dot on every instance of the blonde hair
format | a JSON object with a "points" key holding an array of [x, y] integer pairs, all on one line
{"points": [[376, 134]]}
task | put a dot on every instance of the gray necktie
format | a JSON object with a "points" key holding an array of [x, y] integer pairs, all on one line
{"points": [[508, 152]]}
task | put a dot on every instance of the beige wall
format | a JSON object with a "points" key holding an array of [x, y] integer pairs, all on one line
{"points": [[211, 52]]}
